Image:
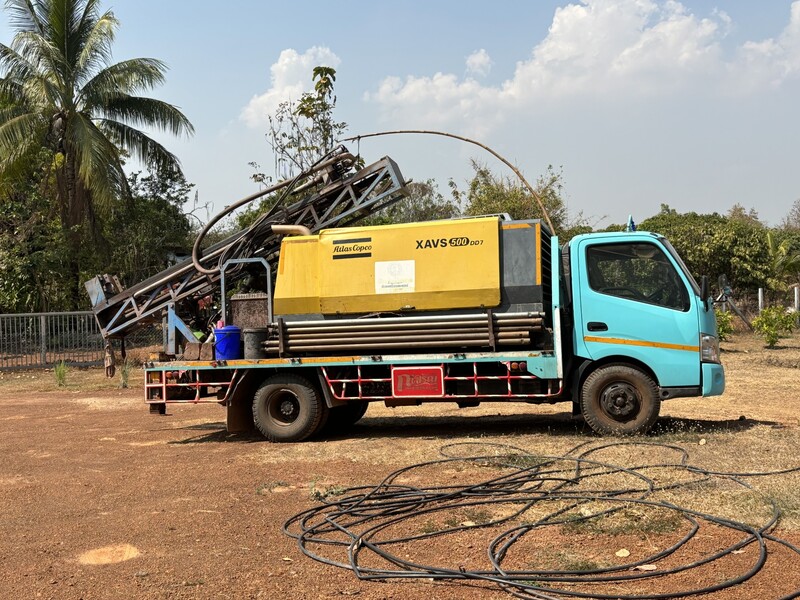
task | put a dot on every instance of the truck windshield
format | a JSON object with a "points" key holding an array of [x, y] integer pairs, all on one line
{"points": [[674, 254]]}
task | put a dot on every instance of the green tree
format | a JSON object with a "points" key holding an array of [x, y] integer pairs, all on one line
{"points": [[423, 203], [61, 92], [301, 132], [787, 236], [784, 262], [488, 193], [150, 229], [32, 244], [740, 213], [714, 245], [792, 219]]}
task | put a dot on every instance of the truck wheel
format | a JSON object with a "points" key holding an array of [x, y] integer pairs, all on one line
{"points": [[287, 408], [341, 417], [621, 400]]}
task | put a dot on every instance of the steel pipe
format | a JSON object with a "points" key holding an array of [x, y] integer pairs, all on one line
{"points": [[382, 345], [410, 338], [417, 319]]}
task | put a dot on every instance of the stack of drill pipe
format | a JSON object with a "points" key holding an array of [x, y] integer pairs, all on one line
{"points": [[440, 331]]}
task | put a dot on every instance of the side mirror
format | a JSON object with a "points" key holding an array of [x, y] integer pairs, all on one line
{"points": [[704, 291]]}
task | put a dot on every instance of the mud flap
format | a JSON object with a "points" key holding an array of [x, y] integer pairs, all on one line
{"points": [[239, 417]]}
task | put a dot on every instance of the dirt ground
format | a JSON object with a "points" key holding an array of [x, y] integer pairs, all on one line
{"points": [[100, 499]]}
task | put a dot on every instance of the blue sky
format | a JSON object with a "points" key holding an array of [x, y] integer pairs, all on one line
{"points": [[641, 102]]}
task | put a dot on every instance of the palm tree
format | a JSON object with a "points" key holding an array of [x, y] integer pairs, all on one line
{"points": [[60, 90], [784, 262]]}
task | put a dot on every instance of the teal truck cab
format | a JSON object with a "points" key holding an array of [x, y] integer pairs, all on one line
{"points": [[641, 330]]}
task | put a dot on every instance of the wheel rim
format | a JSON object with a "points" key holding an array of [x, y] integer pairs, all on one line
{"points": [[621, 401], [284, 407]]}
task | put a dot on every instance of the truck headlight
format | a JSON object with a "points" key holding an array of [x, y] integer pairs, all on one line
{"points": [[709, 348]]}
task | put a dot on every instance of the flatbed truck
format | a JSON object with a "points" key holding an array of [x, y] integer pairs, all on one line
{"points": [[464, 311]]}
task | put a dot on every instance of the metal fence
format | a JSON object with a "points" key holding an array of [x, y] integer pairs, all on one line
{"points": [[34, 340]]}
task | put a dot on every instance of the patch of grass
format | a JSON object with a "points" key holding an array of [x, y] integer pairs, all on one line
{"points": [[321, 494], [579, 564], [428, 527], [452, 521], [268, 487], [60, 372], [788, 501], [474, 515], [517, 461], [672, 430], [724, 499], [85, 379], [125, 373], [625, 521], [563, 560], [479, 516]]}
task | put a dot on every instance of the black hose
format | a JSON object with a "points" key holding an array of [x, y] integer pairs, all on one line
{"points": [[361, 529], [536, 195]]}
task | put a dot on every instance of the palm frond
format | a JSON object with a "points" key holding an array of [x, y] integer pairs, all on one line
{"points": [[121, 79], [14, 64], [11, 92], [25, 15], [36, 49], [56, 20], [17, 133], [141, 146], [97, 36], [31, 82], [97, 160], [148, 112]]}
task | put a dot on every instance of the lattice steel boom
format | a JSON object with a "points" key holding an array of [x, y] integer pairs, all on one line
{"points": [[346, 197]]}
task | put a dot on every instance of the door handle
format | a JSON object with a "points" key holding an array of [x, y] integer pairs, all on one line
{"points": [[596, 326]]}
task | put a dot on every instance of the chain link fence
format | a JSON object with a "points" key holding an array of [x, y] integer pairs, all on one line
{"points": [[37, 340]]}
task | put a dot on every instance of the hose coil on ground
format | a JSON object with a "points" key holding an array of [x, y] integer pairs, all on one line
{"points": [[522, 510]]}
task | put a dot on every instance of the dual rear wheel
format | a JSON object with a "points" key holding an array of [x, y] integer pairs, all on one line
{"points": [[289, 408]]}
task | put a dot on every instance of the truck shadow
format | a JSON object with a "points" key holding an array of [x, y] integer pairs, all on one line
{"points": [[457, 426], [215, 432], [560, 424], [449, 427]]}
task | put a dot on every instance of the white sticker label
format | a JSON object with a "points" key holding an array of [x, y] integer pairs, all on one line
{"points": [[395, 276]]}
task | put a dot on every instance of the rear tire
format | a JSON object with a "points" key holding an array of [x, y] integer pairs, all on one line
{"points": [[620, 400], [288, 408]]}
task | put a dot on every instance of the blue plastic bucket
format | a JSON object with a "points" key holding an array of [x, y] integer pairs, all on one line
{"points": [[227, 341]]}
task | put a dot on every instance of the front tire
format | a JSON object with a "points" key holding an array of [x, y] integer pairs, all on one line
{"points": [[288, 408], [619, 400]]}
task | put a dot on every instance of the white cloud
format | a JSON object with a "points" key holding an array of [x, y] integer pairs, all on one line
{"points": [[617, 47], [438, 102], [479, 63], [290, 76], [772, 61], [602, 49]]}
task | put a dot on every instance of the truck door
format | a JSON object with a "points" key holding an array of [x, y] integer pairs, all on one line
{"points": [[633, 302]]}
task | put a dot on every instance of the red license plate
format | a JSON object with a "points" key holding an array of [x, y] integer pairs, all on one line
{"points": [[415, 382]]}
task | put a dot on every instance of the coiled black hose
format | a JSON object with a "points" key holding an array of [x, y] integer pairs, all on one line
{"points": [[365, 526]]}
